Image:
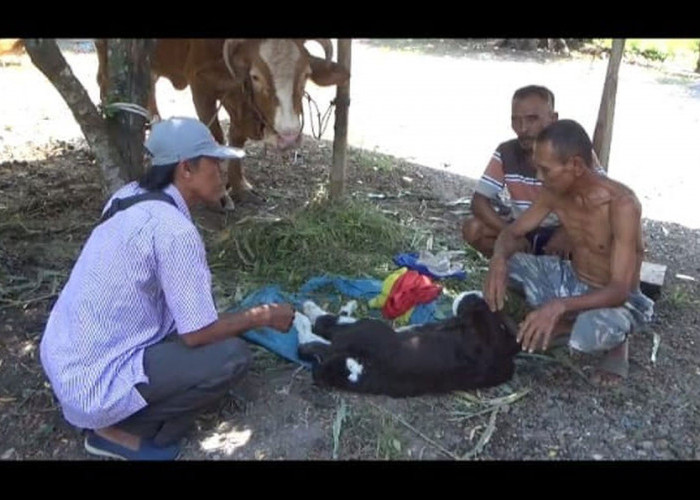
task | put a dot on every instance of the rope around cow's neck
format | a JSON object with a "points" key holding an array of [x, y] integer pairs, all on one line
{"points": [[322, 122]]}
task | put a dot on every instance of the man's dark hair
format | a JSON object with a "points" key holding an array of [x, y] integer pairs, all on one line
{"points": [[568, 138], [158, 177], [542, 92]]}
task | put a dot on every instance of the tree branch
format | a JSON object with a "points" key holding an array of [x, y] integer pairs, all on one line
{"points": [[46, 56]]}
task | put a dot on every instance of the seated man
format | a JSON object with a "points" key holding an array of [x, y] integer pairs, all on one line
{"points": [[596, 295], [511, 167], [134, 347]]}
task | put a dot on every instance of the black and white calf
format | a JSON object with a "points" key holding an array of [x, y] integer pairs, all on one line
{"points": [[474, 349]]}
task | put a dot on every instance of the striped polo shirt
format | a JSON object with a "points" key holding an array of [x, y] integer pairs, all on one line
{"points": [[141, 275], [512, 167]]}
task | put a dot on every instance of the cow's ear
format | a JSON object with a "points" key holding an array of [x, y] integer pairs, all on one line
{"points": [[324, 73]]}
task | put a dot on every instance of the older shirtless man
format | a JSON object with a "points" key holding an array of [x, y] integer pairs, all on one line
{"points": [[596, 295]]}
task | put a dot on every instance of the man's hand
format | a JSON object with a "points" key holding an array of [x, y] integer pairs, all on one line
{"points": [[559, 244], [495, 283], [539, 324], [277, 316]]}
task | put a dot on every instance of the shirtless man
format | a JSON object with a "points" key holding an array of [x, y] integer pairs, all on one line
{"points": [[596, 295]]}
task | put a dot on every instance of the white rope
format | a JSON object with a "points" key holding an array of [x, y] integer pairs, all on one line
{"points": [[131, 108]]}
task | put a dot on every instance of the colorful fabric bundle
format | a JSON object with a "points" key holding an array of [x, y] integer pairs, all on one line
{"points": [[401, 291]]}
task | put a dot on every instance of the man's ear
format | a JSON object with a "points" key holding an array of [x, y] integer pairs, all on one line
{"points": [[555, 116], [578, 164], [185, 169]]}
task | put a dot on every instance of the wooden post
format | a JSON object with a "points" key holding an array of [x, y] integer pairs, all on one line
{"points": [[340, 137], [602, 137]]}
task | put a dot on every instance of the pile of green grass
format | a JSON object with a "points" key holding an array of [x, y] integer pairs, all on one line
{"points": [[347, 238]]}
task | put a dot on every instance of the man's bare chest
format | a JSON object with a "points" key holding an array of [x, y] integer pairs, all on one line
{"points": [[588, 225]]}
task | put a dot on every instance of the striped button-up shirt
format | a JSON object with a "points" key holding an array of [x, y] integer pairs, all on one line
{"points": [[141, 275]]}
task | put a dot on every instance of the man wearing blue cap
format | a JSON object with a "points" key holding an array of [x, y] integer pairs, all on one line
{"points": [[134, 347]]}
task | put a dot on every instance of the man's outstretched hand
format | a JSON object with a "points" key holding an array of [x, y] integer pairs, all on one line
{"points": [[537, 328], [495, 283], [277, 316]]}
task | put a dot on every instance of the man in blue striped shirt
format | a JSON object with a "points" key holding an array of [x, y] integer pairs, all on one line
{"points": [[134, 347]]}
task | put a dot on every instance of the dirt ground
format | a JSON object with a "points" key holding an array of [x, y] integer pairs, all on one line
{"points": [[50, 199]]}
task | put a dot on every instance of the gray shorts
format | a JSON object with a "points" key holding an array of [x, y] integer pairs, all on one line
{"points": [[546, 277]]}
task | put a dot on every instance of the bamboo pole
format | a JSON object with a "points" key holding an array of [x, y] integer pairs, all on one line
{"points": [[602, 137], [340, 138]]}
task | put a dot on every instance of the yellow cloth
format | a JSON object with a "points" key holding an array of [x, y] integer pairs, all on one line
{"points": [[379, 301]]}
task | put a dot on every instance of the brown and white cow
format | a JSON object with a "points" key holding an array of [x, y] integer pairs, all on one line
{"points": [[13, 46], [260, 83]]}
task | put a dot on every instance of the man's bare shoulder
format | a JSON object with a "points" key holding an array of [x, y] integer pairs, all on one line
{"points": [[608, 191]]}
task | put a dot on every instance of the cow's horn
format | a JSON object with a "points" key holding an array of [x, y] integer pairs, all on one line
{"points": [[327, 47]]}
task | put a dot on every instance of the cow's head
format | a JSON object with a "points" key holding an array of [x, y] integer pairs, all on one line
{"points": [[273, 73]]}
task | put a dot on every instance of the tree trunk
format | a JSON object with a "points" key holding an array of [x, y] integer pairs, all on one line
{"points": [[697, 67], [340, 134], [46, 56], [602, 137], [129, 70]]}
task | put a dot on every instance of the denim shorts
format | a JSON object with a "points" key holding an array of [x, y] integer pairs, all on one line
{"points": [[545, 277]]}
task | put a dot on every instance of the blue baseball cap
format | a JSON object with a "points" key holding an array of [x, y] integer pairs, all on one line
{"points": [[177, 139]]}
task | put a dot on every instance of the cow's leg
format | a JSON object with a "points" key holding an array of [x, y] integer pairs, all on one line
{"points": [[205, 105], [241, 189], [305, 335], [312, 311], [152, 106]]}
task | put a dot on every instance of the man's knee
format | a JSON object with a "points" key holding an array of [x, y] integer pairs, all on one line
{"points": [[237, 356], [600, 330], [472, 230]]}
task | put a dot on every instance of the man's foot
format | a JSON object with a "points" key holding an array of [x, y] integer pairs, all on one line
{"points": [[613, 368], [103, 447], [120, 437]]}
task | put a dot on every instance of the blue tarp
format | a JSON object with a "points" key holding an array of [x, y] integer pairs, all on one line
{"points": [[333, 291]]}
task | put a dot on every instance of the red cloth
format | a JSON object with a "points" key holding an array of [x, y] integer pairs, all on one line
{"points": [[410, 289]]}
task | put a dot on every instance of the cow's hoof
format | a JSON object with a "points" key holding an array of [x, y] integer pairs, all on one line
{"points": [[246, 196], [227, 204]]}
